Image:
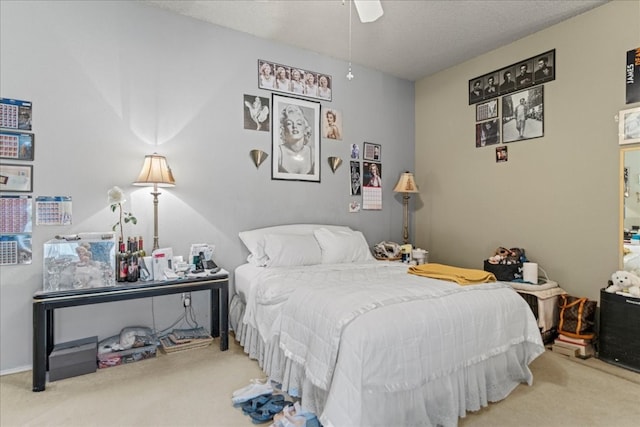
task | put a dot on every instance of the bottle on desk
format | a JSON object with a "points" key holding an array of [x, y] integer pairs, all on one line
{"points": [[121, 262], [141, 252], [132, 267]]}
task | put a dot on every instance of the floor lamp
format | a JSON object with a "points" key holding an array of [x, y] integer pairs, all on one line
{"points": [[157, 173], [406, 184]]}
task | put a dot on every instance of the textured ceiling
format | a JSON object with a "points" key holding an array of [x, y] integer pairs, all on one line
{"points": [[413, 39]]}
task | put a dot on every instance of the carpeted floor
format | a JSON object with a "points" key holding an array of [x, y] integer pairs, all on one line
{"points": [[193, 388]]}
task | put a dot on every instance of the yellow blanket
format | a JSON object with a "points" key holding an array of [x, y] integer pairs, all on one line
{"points": [[462, 276]]}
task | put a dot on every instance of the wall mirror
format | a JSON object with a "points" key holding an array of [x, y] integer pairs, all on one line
{"points": [[630, 207]]}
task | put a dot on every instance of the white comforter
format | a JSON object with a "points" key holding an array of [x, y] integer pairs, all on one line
{"points": [[379, 346]]}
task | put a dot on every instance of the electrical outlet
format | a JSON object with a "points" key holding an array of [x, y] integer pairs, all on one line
{"points": [[186, 299]]}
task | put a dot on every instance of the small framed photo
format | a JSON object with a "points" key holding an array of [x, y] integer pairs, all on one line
{"points": [[372, 152], [16, 178], [501, 154], [332, 123], [16, 145], [487, 110], [488, 133], [295, 125], [256, 113], [629, 126]]}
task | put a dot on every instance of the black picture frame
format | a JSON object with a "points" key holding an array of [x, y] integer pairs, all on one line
{"points": [[372, 152], [488, 133], [532, 126], [356, 178], [256, 113], [287, 164], [543, 61], [16, 178], [487, 110], [17, 145]]}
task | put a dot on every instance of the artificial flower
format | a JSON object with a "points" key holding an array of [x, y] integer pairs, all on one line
{"points": [[116, 198]]}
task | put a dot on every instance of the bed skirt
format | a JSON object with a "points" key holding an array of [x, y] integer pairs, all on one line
{"points": [[433, 402]]}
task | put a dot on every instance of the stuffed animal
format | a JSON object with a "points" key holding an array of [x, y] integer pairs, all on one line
{"points": [[507, 256], [624, 281]]}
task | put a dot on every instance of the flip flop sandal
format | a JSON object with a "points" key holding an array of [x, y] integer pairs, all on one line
{"points": [[266, 412], [255, 403]]}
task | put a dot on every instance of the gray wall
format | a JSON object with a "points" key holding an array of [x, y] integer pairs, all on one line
{"points": [[113, 81], [557, 196]]}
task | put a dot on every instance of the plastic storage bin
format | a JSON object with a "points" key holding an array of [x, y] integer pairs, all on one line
{"points": [[88, 261]]}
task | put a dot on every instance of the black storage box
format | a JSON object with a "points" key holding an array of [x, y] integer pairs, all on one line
{"points": [[619, 342], [504, 272], [73, 358]]}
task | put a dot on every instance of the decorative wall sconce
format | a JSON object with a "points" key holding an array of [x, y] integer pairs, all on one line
{"points": [[334, 163], [258, 156]]}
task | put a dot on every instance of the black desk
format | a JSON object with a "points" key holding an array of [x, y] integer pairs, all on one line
{"points": [[44, 304]]}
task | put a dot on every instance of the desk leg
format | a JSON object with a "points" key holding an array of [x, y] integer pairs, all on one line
{"points": [[215, 313], [39, 347], [224, 314], [49, 328]]}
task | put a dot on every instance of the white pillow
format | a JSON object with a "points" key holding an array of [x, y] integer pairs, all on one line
{"points": [[342, 246], [285, 250], [254, 239]]}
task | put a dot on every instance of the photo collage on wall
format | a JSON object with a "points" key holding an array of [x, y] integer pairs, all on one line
{"points": [[510, 102], [16, 146], [285, 109]]}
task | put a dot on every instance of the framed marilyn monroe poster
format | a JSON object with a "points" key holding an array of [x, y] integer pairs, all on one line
{"points": [[295, 125]]}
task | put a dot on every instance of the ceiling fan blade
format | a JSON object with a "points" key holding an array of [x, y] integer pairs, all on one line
{"points": [[368, 10]]}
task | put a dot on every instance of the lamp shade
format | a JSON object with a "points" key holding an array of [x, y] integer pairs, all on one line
{"points": [[155, 171], [406, 184]]}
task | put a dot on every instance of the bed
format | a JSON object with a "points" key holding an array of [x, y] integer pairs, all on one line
{"points": [[362, 342]]}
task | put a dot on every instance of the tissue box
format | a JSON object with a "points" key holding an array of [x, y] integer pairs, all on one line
{"points": [[88, 261], [73, 358]]}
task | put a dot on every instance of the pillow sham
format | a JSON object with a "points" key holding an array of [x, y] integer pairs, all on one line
{"points": [[340, 246], [287, 250], [254, 239]]}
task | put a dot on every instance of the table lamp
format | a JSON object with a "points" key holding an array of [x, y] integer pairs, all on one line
{"points": [[406, 184], [156, 172]]}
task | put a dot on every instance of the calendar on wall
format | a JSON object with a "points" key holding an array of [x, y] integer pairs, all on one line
{"points": [[372, 186]]}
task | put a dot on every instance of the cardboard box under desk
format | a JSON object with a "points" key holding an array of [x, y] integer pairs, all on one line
{"points": [[73, 358]]}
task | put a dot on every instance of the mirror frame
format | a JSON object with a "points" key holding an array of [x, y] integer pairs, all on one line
{"points": [[623, 151]]}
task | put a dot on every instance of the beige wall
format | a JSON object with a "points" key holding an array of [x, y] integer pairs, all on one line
{"points": [[557, 196]]}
